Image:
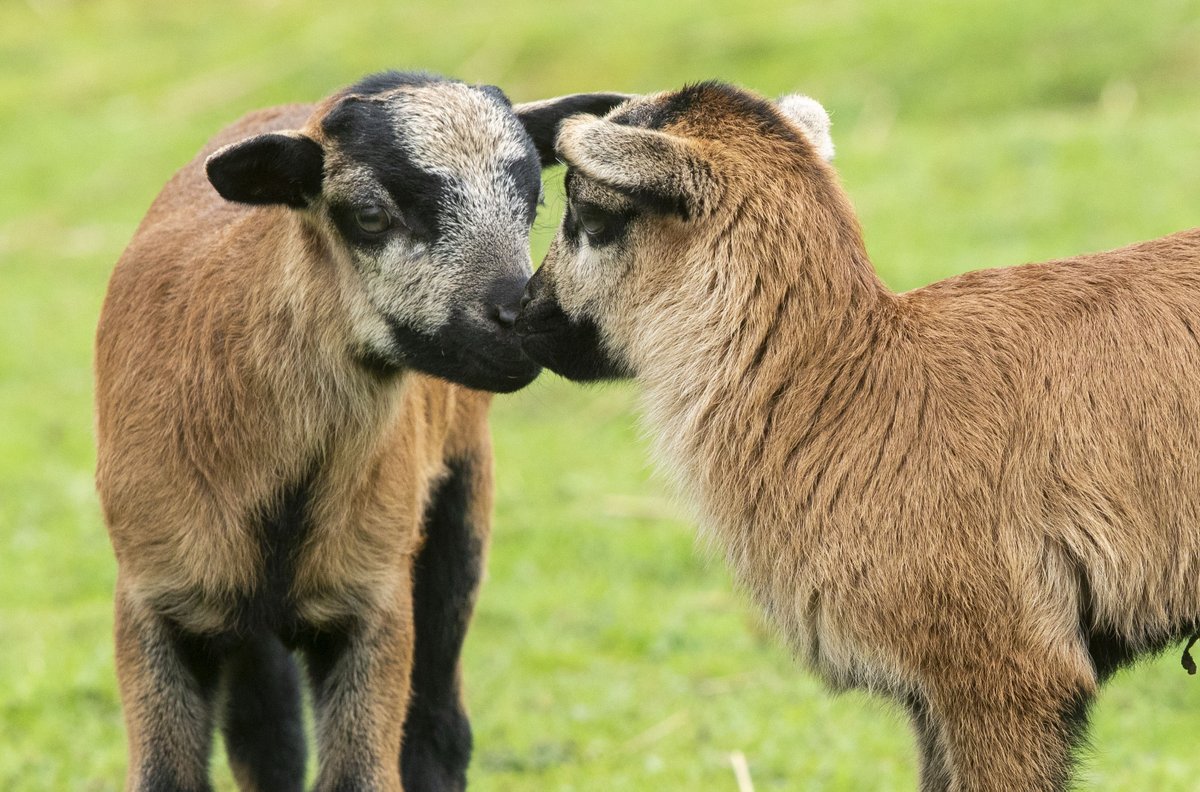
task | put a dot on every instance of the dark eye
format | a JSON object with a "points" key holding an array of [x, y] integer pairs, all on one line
{"points": [[593, 220], [600, 225], [372, 219]]}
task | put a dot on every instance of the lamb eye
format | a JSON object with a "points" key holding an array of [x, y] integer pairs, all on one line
{"points": [[600, 225], [593, 219], [373, 219]]}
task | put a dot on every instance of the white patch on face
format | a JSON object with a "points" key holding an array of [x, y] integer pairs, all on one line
{"points": [[405, 281], [587, 278], [456, 130], [470, 139], [402, 279]]}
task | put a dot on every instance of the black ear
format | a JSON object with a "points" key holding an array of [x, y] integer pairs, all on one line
{"points": [[541, 119], [269, 169]]}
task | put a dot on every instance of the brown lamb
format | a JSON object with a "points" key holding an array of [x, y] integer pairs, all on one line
{"points": [[292, 430], [979, 498]]}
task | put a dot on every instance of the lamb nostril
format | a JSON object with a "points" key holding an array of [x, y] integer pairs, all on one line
{"points": [[526, 298], [506, 315]]}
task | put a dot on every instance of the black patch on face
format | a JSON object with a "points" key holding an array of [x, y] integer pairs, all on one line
{"points": [[573, 350], [466, 352], [481, 352], [365, 132], [569, 347], [446, 575], [526, 175], [660, 203], [543, 120]]}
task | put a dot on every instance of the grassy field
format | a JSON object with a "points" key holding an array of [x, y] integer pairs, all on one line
{"points": [[608, 653]]}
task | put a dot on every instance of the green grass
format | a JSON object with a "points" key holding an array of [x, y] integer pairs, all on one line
{"points": [[607, 652]]}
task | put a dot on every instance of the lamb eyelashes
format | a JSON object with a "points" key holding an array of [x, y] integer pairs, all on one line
{"points": [[599, 226]]}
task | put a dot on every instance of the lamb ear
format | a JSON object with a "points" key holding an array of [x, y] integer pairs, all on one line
{"points": [[542, 119], [276, 168], [663, 171], [808, 114]]}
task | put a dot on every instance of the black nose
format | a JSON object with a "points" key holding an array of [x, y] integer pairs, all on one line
{"points": [[504, 297], [526, 298]]}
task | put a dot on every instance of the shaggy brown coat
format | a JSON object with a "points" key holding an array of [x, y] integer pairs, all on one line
{"points": [[980, 497]]}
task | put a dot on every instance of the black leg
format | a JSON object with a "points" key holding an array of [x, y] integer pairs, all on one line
{"points": [[446, 576], [262, 720]]}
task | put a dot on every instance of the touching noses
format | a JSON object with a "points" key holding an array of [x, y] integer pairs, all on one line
{"points": [[506, 315]]}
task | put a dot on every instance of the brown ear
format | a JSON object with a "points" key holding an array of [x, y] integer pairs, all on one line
{"points": [[542, 119], [655, 168]]}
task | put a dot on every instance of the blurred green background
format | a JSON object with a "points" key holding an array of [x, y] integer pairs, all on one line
{"points": [[607, 653]]}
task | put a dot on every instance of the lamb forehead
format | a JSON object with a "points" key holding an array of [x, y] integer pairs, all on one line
{"points": [[457, 130], [656, 111]]}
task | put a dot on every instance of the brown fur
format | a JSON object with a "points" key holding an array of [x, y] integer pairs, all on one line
{"points": [[222, 376], [979, 497]]}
